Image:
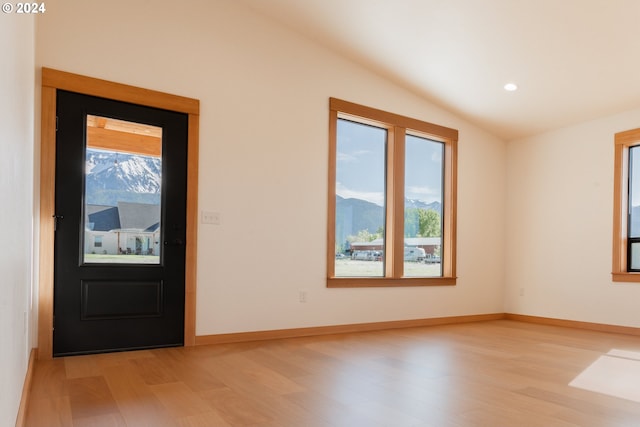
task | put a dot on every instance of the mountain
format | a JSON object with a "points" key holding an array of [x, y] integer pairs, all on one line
{"points": [[353, 215], [112, 177], [413, 203]]}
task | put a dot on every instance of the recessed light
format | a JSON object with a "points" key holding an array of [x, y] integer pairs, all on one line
{"points": [[511, 87]]}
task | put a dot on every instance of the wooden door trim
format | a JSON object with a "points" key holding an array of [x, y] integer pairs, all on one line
{"points": [[52, 80]]}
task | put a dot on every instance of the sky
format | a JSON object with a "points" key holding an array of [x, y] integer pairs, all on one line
{"points": [[361, 164], [635, 176]]}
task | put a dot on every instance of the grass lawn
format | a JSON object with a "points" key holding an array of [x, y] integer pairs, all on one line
{"points": [[121, 259], [351, 268]]}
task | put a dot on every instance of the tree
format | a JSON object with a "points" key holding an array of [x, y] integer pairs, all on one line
{"points": [[419, 222], [365, 236], [411, 217], [429, 223]]}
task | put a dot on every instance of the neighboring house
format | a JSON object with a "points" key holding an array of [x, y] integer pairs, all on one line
{"points": [[129, 228], [374, 245]]}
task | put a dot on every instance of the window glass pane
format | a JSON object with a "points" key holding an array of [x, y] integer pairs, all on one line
{"points": [[423, 207], [634, 191], [634, 256], [360, 200], [123, 177]]}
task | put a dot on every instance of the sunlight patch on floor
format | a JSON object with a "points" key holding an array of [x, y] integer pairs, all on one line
{"points": [[616, 373]]}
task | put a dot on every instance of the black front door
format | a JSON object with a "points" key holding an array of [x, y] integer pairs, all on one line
{"points": [[120, 226]]}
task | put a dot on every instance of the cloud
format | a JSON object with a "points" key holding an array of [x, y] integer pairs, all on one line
{"points": [[369, 196], [346, 158], [351, 157], [426, 194]]}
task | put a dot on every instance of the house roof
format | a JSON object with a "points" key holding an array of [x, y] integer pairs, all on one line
{"points": [[138, 215], [127, 215], [102, 218]]}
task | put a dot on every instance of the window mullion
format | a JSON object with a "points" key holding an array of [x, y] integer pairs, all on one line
{"points": [[389, 228], [449, 203], [396, 205]]}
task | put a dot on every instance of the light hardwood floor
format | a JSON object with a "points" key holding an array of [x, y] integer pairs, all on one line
{"points": [[498, 373]]}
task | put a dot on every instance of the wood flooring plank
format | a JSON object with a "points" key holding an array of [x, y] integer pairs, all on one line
{"points": [[49, 411], [236, 409], [50, 379], [323, 407], [602, 413], [261, 398], [178, 400], [153, 371], [136, 402], [260, 374], [90, 397], [106, 420], [81, 366], [107, 360], [206, 419], [185, 364], [275, 357]]}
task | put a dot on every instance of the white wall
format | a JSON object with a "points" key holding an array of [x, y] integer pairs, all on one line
{"points": [[560, 219], [16, 192], [263, 158]]}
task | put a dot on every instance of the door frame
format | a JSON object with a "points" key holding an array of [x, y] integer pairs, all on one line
{"points": [[52, 80]]}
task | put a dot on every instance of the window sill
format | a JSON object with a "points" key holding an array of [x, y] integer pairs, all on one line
{"points": [[625, 277], [382, 282]]}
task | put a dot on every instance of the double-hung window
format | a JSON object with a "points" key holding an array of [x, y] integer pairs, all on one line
{"points": [[626, 223], [392, 199]]}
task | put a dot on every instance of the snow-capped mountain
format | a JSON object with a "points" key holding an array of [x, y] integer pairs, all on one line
{"points": [[113, 177], [414, 203]]}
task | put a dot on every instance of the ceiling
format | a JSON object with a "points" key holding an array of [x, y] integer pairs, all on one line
{"points": [[573, 60]]}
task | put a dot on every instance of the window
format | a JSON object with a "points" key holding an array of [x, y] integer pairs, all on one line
{"points": [[626, 224], [392, 199], [97, 242]]}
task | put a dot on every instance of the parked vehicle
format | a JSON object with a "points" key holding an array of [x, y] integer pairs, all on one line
{"points": [[432, 259], [414, 254], [361, 255], [367, 255]]}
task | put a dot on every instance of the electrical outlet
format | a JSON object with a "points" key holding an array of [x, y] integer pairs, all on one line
{"points": [[302, 295], [211, 218]]}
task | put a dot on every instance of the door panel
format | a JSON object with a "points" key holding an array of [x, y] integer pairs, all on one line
{"points": [[121, 299], [120, 232]]}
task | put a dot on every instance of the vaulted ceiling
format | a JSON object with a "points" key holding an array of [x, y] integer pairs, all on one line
{"points": [[573, 60]]}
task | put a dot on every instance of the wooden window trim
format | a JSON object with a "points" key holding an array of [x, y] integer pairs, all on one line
{"points": [[52, 80], [623, 142], [397, 126]]}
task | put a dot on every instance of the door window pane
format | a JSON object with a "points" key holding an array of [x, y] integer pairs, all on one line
{"points": [[423, 207], [123, 187], [360, 200]]}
